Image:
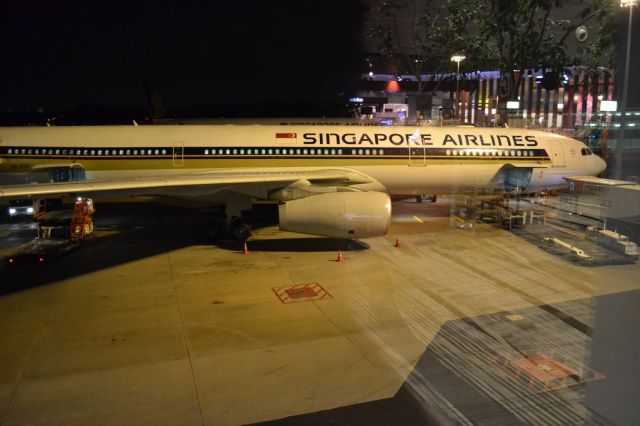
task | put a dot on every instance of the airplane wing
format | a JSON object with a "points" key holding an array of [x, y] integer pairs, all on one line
{"points": [[212, 180]]}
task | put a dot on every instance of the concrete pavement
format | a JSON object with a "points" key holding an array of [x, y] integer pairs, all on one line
{"points": [[149, 324]]}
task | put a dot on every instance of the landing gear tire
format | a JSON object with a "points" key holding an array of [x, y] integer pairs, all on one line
{"points": [[421, 198], [241, 231]]}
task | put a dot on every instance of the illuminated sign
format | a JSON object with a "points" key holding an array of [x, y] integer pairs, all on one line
{"points": [[609, 106], [513, 104], [356, 100]]}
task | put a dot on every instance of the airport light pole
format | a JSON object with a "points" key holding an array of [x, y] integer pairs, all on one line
{"points": [[457, 58], [625, 86]]}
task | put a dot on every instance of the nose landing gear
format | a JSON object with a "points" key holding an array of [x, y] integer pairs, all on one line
{"points": [[421, 198]]}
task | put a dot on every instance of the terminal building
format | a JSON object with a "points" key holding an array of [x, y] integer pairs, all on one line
{"points": [[572, 104]]}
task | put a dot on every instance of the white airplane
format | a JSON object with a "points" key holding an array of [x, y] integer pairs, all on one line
{"points": [[332, 181]]}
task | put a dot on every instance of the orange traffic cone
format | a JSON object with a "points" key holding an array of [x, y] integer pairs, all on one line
{"points": [[340, 257], [245, 251], [397, 241]]}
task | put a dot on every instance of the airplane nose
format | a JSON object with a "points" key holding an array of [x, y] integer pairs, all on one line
{"points": [[598, 165]]}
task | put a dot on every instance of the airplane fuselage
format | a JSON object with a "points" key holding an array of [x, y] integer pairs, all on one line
{"points": [[402, 160]]}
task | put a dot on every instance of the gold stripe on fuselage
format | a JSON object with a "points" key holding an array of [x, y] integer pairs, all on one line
{"points": [[23, 164]]}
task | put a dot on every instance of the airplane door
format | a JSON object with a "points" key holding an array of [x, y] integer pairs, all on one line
{"points": [[557, 154], [178, 154], [417, 153]]}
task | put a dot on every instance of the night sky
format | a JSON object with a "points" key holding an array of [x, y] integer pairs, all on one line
{"points": [[60, 55]]}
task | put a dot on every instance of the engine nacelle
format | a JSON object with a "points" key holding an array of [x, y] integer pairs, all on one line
{"points": [[338, 215]]}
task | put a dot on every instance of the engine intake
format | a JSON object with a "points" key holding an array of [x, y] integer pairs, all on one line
{"points": [[348, 215]]}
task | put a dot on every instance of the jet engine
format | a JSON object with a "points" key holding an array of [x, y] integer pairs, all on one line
{"points": [[348, 215]]}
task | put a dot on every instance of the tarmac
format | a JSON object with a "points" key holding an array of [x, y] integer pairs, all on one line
{"points": [[148, 323]]}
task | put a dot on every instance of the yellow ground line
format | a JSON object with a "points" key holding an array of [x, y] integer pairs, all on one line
{"points": [[418, 219]]}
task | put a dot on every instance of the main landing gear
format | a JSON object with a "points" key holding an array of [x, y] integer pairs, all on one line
{"points": [[240, 230], [232, 223], [235, 228]]}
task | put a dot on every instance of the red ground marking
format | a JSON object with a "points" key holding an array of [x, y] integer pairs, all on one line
{"points": [[297, 293], [301, 293], [545, 372], [544, 369]]}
